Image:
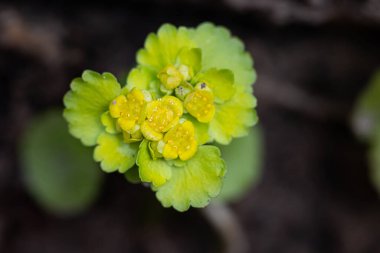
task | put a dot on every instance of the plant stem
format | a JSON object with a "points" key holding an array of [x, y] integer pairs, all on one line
{"points": [[225, 222]]}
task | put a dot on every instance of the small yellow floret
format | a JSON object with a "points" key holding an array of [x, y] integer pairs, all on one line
{"points": [[171, 77], [117, 105], [200, 104], [180, 142], [129, 110], [161, 115]]}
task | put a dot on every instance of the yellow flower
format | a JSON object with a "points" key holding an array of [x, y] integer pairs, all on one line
{"points": [[200, 104], [161, 115], [129, 112], [179, 142], [171, 77]]}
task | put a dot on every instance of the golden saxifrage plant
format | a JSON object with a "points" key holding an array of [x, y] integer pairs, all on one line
{"points": [[191, 87]]}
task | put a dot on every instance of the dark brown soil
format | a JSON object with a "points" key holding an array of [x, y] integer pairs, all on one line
{"points": [[312, 57]]}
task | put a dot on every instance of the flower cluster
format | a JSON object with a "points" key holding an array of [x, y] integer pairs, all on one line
{"points": [[191, 87]]}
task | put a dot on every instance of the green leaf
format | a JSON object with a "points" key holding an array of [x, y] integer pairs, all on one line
{"points": [[366, 115], [58, 170], [191, 57], [221, 51], [114, 154], [195, 181], [374, 160], [233, 118], [221, 83], [155, 171], [109, 123], [88, 99], [163, 48], [140, 78], [366, 124], [132, 175], [243, 157]]}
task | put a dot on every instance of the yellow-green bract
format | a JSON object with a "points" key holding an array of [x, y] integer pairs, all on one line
{"points": [[191, 87]]}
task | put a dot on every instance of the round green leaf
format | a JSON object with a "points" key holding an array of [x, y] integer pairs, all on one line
{"points": [[221, 50], [366, 115], [195, 181], [163, 48], [114, 154], [85, 103], [374, 161], [155, 171], [132, 175], [59, 171], [243, 157], [233, 118]]}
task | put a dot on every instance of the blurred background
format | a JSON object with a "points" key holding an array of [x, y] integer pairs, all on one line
{"points": [[313, 59]]}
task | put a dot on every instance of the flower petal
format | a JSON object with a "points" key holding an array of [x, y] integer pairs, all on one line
{"points": [[195, 182], [114, 154], [88, 99]]}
